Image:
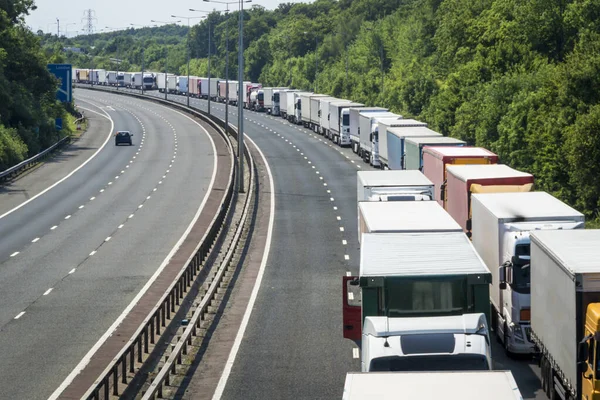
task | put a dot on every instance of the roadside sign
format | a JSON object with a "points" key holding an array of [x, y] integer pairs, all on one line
{"points": [[63, 72], [58, 124]]}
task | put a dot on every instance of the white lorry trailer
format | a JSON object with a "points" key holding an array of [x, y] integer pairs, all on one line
{"points": [[305, 102], [213, 84], [182, 84], [464, 385], [286, 103], [276, 102], [161, 82], [269, 93], [448, 343], [368, 131], [501, 223], [203, 93], [299, 104], [315, 112], [111, 78], [339, 122], [172, 83], [355, 123], [403, 216], [380, 140], [565, 311], [324, 116], [393, 186], [232, 97], [136, 80]]}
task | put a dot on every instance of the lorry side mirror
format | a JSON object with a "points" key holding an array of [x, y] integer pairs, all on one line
{"points": [[502, 276], [583, 352], [443, 192], [468, 224]]}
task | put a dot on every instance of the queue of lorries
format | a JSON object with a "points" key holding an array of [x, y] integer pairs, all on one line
{"points": [[217, 89], [455, 247]]}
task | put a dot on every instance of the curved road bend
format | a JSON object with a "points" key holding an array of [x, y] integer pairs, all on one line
{"points": [[72, 259], [315, 365]]}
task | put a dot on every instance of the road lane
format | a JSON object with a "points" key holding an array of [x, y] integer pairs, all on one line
{"points": [[97, 260]]}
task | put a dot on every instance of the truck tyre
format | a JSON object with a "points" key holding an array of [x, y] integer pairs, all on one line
{"points": [[506, 350]]}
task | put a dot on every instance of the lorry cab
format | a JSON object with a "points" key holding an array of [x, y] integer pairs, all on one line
{"points": [[448, 343], [298, 110], [414, 274], [276, 103]]}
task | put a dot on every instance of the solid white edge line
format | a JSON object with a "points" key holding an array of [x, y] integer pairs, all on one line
{"points": [[240, 335], [86, 359], [76, 169]]}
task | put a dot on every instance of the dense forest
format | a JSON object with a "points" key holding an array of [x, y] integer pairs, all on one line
{"points": [[28, 108], [519, 78]]}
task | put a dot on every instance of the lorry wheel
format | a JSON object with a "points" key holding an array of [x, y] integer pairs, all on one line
{"points": [[543, 373], [506, 351]]}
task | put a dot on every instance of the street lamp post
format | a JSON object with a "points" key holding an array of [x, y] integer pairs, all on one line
{"points": [[240, 87], [188, 54], [67, 28]]}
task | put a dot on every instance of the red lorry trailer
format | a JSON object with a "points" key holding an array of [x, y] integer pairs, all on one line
{"points": [[436, 158], [462, 180]]}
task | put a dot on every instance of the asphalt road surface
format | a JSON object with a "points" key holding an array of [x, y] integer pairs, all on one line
{"points": [[73, 257], [293, 346]]}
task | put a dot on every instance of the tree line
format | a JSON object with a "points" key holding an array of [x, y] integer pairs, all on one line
{"points": [[28, 107], [519, 78]]}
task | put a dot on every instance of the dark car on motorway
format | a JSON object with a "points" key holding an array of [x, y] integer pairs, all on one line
{"points": [[123, 137]]}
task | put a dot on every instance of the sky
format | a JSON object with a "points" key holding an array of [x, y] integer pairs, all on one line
{"points": [[119, 13]]}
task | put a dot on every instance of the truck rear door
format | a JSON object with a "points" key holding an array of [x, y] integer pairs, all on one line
{"points": [[352, 316]]}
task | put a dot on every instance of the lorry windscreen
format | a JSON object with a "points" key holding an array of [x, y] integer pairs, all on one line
{"points": [[276, 97], [451, 362], [346, 119], [261, 96], [521, 281], [426, 298]]}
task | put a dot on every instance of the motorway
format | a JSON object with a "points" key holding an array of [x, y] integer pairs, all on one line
{"points": [[293, 346], [73, 257]]}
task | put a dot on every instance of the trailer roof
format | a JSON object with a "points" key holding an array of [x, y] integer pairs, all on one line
{"points": [[346, 104], [394, 178], [457, 151], [433, 140], [410, 131], [386, 326], [405, 122], [531, 205], [369, 109], [407, 216], [577, 250], [484, 171], [459, 385], [419, 254]]}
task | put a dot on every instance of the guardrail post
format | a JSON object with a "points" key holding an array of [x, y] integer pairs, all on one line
{"points": [[167, 381], [106, 388], [160, 395], [139, 343], [157, 320], [164, 311], [151, 327], [115, 381], [185, 348], [132, 359], [146, 340], [124, 369]]}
